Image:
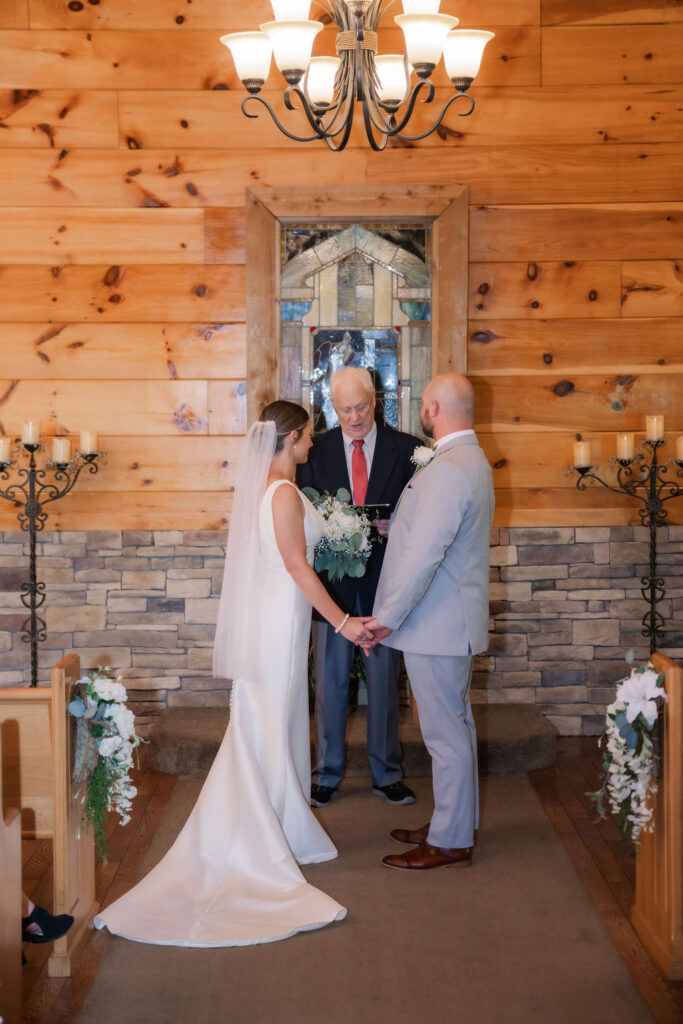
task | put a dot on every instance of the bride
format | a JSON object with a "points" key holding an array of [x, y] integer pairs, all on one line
{"points": [[232, 878]]}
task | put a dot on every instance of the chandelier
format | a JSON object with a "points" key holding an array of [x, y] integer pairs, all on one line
{"points": [[328, 88]]}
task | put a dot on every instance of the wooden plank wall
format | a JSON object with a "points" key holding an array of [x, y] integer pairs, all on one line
{"points": [[125, 158]]}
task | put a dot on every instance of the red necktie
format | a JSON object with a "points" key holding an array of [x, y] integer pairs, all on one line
{"points": [[359, 473]]}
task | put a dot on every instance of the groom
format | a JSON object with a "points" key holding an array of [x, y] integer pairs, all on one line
{"points": [[432, 603]]}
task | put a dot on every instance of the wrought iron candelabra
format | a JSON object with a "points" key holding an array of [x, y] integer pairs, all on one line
{"points": [[31, 492], [648, 482]]}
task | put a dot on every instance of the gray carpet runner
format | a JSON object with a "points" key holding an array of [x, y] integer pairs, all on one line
{"points": [[513, 940]]}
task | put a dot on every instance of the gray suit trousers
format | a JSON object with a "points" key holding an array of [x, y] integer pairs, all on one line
{"points": [[333, 657], [441, 685]]}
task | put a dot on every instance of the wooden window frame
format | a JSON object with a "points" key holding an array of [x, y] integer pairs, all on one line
{"points": [[444, 206]]}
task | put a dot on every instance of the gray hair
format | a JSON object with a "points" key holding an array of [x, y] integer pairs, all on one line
{"points": [[356, 374]]}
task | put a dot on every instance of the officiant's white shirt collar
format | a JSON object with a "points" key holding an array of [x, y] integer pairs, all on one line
{"points": [[450, 437]]}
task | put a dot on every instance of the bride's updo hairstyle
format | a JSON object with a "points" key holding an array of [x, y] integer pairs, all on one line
{"points": [[287, 416]]}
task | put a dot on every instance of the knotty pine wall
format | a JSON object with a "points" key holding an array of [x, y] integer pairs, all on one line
{"points": [[125, 158]]}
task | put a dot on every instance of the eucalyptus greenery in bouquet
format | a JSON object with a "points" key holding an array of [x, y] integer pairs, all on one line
{"points": [[105, 741], [344, 548], [628, 777]]}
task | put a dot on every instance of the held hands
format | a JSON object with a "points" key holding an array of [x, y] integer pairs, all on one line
{"points": [[378, 631], [365, 631], [356, 631]]}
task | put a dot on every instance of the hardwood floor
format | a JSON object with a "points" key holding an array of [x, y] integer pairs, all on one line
{"points": [[592, 847], [59, 1000], [594, 851]]}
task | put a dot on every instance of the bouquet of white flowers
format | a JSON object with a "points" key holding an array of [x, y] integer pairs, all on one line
{"points": [[105, 741], [344, 548], [628, 778]]}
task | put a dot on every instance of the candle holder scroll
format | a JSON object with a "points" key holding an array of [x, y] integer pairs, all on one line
{"points": [[648, 482], [32, 492]]}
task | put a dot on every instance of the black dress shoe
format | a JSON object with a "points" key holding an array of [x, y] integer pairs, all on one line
{"points": [[48, 926], [321, 795], [395, 793]]}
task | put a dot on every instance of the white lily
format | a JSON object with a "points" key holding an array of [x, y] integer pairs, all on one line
{"points": [[639, 693]]}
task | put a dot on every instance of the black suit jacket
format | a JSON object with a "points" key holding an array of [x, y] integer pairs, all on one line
{"points": [[391, 470]]}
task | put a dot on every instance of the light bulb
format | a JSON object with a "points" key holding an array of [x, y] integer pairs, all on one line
{"points": [[319, 80], [251, 52], [292, 43], [462, 53], [393, 80], [425, 35]]}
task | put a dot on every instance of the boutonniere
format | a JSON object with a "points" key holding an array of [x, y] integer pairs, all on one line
{"points": [[422, 456]]}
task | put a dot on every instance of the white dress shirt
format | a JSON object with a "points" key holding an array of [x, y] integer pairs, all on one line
{"points": [[368, 450], [449, 437]]}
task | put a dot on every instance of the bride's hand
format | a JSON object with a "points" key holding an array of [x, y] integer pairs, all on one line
{"points": [[356, 631]]}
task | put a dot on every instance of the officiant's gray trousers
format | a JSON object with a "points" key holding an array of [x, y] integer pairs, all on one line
{"points": [[441, 685], [333, 659]]}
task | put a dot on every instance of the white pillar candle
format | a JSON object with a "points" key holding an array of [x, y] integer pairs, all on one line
{"points": [[88, 444], [582, 453], [679, 448], [654, 428], [625, 446], [61, 449], [6, 448], [30, 432]]}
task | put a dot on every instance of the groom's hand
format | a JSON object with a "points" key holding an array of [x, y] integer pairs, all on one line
{"points": [[378, 631]]}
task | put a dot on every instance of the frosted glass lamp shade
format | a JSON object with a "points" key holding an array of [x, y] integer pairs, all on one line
{"points": [[421, 6], [319, 81], [291, 10], [251, 52], [393, 80], [292, 44], [462, 54], [425, 35]]}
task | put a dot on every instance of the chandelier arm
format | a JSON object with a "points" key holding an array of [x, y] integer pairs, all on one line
{"points": [[278, 123], [369, 122], [375, 13], [343, 108], [317, 124], [465, 113], [412, 100]]}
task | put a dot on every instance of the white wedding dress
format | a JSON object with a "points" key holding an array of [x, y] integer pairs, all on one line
{"points": [[231, 877]]}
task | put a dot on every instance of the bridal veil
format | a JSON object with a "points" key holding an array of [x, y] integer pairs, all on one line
{"points": [[237, 647]]}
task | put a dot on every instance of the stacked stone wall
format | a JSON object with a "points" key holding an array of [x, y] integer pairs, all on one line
{"points": [[566, 607]]}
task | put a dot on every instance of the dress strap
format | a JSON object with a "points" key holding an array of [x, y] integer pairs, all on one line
{"points": [[276, 483]]}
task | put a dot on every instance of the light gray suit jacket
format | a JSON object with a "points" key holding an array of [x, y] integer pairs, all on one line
{"points": [[434, 588]]}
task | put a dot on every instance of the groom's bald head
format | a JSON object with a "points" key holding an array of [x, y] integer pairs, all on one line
{"points": [[447, 405]]}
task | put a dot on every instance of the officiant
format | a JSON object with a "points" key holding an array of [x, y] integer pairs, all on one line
{"points": [[373, 463]]}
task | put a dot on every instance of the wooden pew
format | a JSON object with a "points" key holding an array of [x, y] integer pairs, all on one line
{"points": [[10, 911], [657, 915], [38, 762]]}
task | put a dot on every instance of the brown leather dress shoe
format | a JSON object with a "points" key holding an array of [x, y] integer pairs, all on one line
{"points": [[425, 856], [406, 835]]}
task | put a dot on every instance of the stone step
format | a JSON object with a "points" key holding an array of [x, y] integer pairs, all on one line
{"points": [[511, 738]]}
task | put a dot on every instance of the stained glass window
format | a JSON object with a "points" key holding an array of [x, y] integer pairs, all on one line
{"points": [[356, 295]]}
